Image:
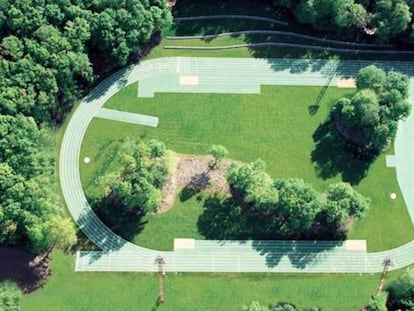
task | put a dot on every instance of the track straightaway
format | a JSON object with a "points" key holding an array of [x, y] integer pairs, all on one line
{"points": [[225, 75]]}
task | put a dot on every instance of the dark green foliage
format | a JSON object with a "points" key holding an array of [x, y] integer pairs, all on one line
{"points": [[47, 48], [121, 28], [31, 215], [21, 145], [283, 306], [30, 212], [371, 77], [291, 208], [370, 118], [327, 13], [254, 185], [386, 19], [136, 187], [401, 292], [342, 202], [298, 205], [391, 18], [10, 296]]}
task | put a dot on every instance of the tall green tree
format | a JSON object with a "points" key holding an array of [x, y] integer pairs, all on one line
{"points": [[254, 185], [10, 296], [120, 28], [28, 209], [401, 292], [298, 205], [218, 152], [23, 147], [370, 118], [371, 77], [136, 186], [343, 203], [391, 17]]}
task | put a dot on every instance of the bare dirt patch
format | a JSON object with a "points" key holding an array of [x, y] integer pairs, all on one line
{"points": [[193, 172], [28, 271]]}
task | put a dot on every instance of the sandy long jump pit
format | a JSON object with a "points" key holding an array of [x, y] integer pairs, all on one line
{"points": [[346, 83], [356, 245], [189, 80], [182, 244]]}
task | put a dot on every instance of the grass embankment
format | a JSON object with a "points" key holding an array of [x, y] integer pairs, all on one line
{"points": [[275, 126], [67, 290]]}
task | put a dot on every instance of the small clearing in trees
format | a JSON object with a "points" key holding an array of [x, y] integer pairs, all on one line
{"points": [[193, 172]]}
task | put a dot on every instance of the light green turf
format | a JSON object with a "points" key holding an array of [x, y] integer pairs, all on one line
{"points": [[275, 126], [250, 126], [67, 290], [178, 222]]}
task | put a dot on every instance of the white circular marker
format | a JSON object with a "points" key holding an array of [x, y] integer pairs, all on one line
{"points": [[393, 195], [87, 160]]}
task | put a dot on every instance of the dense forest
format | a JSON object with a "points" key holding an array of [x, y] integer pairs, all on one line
{"points": [[51, 52], [382, 20]]}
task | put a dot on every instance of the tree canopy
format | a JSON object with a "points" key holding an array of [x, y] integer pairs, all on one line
{"points": [[49, 49], [10, 296], [218, 152], [384, 20], [31, 214], [370, 117], [401, 292], [136, 186], [291, 208], [50, 54]]}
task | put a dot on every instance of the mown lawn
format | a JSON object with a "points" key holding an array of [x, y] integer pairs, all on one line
{"points": [[179, 222], [275, 126], [67, 290]]}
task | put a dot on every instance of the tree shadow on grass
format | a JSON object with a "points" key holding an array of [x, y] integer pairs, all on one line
{"points": [[196, 185], [335, 155], [301, 254], [106, 215], [27, 270], [224, 219], [124, 223]]}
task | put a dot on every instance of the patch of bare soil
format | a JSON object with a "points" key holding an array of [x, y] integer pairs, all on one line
{"points": [[194, 173], [28, 271]]}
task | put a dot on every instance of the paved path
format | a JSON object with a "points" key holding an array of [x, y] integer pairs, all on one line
{"points": [[280, 33], [129, 117], [289, 45], [225, 75]]}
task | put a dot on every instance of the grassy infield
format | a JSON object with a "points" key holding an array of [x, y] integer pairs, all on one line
{"points": [[275, 126]]}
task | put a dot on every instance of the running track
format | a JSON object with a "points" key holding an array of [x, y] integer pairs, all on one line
{"points": [[224, 75]]}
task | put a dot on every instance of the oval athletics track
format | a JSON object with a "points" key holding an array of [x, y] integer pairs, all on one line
{"points": [[230, 75]]}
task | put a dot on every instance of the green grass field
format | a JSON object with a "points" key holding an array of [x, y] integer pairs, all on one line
{"points": [[67, 290], [275, 126], [190, 123]]}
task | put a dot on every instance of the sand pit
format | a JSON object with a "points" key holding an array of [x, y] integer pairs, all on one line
{"points": [[181, 244], [356, 245], [346, 83], [189, 80]]}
